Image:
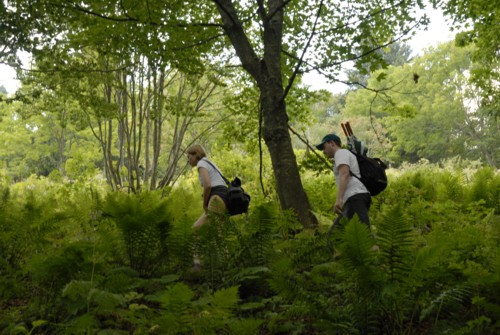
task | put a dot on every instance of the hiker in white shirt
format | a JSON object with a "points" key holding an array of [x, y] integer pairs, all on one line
{"points": [[352, 196], [214, 187]]}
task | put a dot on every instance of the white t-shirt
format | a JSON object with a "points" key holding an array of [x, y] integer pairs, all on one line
{"points": [[215, 177], [354, 186]]}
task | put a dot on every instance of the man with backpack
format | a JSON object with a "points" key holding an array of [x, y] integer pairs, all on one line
{"points": [[352, 197]]}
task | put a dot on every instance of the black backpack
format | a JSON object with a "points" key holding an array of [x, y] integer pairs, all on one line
{"points": [[238, 200], [372, 170]]}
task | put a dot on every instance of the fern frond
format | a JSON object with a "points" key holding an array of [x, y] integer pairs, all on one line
{"points": [[145, 226], [176, 297], [396, 241], [177, 309], [283, 278], [120, 280], [180, 241], [485, 187], [84, 323], [425, 258], [247, 326], [225, 299], [446, 299], [256, 242], [450, 187], [216, 244], [82, 299], [355, 246]]}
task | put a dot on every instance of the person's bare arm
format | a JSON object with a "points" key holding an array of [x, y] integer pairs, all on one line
{"points": [[207, 186], [344, 177]]}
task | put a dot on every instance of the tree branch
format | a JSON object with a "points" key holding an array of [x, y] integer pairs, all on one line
{"points": [[320, 69], [129, 18], [369, 16], [234, 29], [285, 3], [301, 60], [372, 50], [306, 142]]}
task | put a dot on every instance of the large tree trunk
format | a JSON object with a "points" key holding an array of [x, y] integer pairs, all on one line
{"points": [[267, 72], [288, 183]]}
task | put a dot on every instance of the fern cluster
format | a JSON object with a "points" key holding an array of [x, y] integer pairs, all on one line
{"points": [[77, 258], [144, 224]]}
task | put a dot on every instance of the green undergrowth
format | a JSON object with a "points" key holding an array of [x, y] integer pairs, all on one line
{"points": [[79, 259]]}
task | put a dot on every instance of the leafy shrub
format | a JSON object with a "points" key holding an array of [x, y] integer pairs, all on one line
{"points": [[78, 259]]}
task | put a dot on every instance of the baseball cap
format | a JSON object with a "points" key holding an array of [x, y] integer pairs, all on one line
{"points": [[329, 137]]}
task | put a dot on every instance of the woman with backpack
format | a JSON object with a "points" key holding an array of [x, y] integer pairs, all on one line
{"points": [[214, 186]]}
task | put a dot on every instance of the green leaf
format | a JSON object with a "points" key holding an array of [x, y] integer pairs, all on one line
{"points": [[177, 296], [38, 323], [382, 76], [226, 298]]}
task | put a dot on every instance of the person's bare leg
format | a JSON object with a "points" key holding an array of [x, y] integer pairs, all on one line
{"points": [[216, 205], [201, 221], [196, 259]]}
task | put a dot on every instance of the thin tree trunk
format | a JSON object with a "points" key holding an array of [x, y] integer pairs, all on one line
{"points": [[124, 136], [108, 135], [157, 128], [61, 144], [147, 144], [142, 98]]}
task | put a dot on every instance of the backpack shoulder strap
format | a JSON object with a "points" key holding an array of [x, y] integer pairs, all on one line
{"points": [[357, 161], [216, 169]]}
